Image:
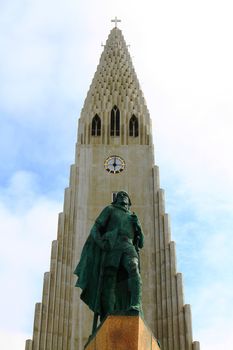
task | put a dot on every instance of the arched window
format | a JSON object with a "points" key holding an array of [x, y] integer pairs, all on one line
{"points": [[96, 126], [115, 122], [133, 126]]}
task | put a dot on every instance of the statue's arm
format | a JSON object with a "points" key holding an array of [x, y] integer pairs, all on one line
{"points": [[141, 236], [138, 231], [99, 228]]}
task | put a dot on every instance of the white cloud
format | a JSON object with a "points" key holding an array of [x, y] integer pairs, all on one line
{"points": [[213, 314], [27, 229], [199, 199], [37, 39], [12, 340]]}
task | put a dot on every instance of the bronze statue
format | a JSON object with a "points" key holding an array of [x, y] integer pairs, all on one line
{"points": [[108, 271]]}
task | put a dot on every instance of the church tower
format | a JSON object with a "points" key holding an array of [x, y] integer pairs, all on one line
{"points": [[114, 152]]}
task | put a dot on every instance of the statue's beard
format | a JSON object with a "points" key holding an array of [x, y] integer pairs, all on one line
{"points": [[124, 204]]}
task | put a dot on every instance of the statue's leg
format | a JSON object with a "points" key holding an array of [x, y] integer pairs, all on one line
{"points": [[108, 295], [134, 281]]}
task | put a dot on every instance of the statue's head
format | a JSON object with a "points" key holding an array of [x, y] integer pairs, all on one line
{"points": [[122, 198]]}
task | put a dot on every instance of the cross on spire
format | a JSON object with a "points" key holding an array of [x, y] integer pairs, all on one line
{"points": [[116, 20]]}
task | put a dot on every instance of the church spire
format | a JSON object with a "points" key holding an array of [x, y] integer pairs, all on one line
{"points": [[115, 87]]}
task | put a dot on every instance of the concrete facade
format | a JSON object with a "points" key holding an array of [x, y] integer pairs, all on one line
{"points": [[62, 321]]}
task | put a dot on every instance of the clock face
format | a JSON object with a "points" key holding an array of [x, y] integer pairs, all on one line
{"points": [[114, 164]]}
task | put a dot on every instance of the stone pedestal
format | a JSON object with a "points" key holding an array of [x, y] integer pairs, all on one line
{"points": [[123, 333]]}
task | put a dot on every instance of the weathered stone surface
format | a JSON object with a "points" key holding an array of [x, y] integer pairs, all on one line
{"points": [[123, 332]]}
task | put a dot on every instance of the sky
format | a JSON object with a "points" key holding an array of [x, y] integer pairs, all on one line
{"points": [[182, 53]]}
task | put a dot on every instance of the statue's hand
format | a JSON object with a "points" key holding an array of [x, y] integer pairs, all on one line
{"points": [[135, 221]]}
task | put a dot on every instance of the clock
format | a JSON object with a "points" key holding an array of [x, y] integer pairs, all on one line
{"points": [[114, 164]]}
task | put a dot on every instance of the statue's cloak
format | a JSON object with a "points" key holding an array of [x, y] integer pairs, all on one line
{"points": [[88, 272]]}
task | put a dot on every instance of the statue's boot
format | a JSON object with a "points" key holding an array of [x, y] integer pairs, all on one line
{"points": [[135, 287]]}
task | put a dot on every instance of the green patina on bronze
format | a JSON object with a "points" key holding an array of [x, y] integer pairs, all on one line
{"points": [[108, 271]]}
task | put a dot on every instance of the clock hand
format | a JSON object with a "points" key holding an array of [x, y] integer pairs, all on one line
{"points": [[114, 164]]}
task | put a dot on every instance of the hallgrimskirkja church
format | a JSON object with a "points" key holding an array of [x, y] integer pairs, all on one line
{"points": [[114, 152]]}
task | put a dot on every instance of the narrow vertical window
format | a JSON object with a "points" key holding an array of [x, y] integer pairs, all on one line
{"points": [[96, 126], [115, 122], [133, 126]]}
